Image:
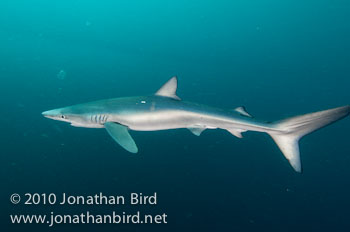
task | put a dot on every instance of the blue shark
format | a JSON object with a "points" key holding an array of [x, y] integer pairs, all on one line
{"points": [[164, 110]]}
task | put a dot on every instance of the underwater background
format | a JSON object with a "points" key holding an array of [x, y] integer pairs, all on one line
{"points": [[277, 58]]}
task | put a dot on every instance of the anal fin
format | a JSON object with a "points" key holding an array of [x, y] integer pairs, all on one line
{"points": [[236, 132]]}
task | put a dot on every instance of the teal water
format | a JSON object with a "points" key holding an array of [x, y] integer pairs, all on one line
{"points": [[277, 58]]}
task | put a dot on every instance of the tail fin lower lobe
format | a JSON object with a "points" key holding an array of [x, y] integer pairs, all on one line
{"points": [[291, 130]]}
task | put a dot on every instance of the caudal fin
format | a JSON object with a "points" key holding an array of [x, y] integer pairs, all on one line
{"points": [[291, 130]]}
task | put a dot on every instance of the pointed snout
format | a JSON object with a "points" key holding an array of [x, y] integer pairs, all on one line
{"points": [[50, 113]]}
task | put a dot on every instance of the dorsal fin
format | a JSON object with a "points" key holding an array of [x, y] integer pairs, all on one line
{"points": [[243, 111], [169, 89]]}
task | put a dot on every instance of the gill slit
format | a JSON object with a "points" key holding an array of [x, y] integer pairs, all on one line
{"points": [[98, 118]]}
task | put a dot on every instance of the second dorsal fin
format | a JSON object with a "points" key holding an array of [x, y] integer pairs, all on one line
{"points": [[243, 111], [169, 89]]}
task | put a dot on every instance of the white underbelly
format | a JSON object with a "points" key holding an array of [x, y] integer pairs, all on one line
{"points": [[152, 121]]}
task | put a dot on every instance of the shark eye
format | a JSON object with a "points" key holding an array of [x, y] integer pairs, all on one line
{"points": [[62, 116]]}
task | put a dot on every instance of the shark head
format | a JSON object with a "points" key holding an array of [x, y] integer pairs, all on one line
{"points": [[73, 116], [56, 114]]}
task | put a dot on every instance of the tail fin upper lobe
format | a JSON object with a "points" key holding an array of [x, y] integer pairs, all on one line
{"points": [[291, 130]]}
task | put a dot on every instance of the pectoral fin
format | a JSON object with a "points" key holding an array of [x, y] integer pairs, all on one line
{"points": [[121, 135]]}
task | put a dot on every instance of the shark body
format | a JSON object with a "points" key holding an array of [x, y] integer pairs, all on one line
{"points": [[164, 110]]}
